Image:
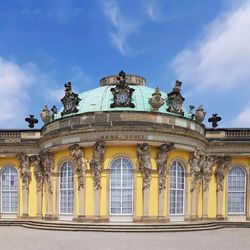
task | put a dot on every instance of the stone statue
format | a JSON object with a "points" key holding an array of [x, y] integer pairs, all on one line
{"points": [[96, 164], [54, 112], [197, 162], [24, 169], [156, 101], [200, 114], [175, 99], [207, 171], [39, 173], [161, 161], [70, 100], [222, 163], [214, 119], [77, 153], [31, 120], [48, 166], [45, 115], [143, 154]]}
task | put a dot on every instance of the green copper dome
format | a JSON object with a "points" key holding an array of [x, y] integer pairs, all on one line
{"points": [[99, 99]]}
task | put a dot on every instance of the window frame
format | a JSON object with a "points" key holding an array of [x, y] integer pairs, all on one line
{"points": [[10, 191], [176, 162], [131, 188], [68, 162], [245, 191]]}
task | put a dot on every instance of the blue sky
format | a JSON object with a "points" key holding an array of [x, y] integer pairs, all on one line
{"points": [[205, 44]]}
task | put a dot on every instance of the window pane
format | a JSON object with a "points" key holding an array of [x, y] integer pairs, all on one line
{"points": [[121, 183], [177, 176], [236, 190], [9, 190], [67, 188]]}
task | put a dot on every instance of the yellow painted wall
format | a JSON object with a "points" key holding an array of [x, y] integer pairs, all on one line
{"points": [[111, 153]]}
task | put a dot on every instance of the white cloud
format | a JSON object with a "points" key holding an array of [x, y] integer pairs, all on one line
{"points": [[152, 10], [123, 27], [14, 81], [221, 58], [243, 119]]}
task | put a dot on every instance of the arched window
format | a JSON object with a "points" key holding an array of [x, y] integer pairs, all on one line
{"points": [[121, 187], [177, 188], [236, 190], [9, 189], [67, 189]]}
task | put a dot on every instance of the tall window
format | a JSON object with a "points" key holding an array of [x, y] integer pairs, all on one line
{"points": [[67, 188], [236, 190], [9, 190], [121, 187], [176, 188]]}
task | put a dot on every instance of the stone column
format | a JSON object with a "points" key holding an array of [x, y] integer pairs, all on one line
{"points": [[193, 203], [222, 163], [143, 153], [205, 204], [78, 154], [38, 172], [48, 167], [96, 165], [25, 174], [206, 177], [161, 161]]}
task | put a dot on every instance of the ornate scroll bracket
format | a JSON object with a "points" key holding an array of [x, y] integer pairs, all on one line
{"points": [[24, 167], [162, 157], [122, 93], [77, 153], [143, 154], [96, 164]]}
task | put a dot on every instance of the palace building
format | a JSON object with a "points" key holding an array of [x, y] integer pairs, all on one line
{"points": [[125, 152]]}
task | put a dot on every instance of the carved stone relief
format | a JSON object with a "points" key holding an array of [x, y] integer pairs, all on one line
{"points": [[77, 153], [122, 93], [156, 101], [70, 100], [223, 162], [161, 161], [36, 160], [24, 169], [96, 164], [48, 166], [175, 99], [143, 154]]}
